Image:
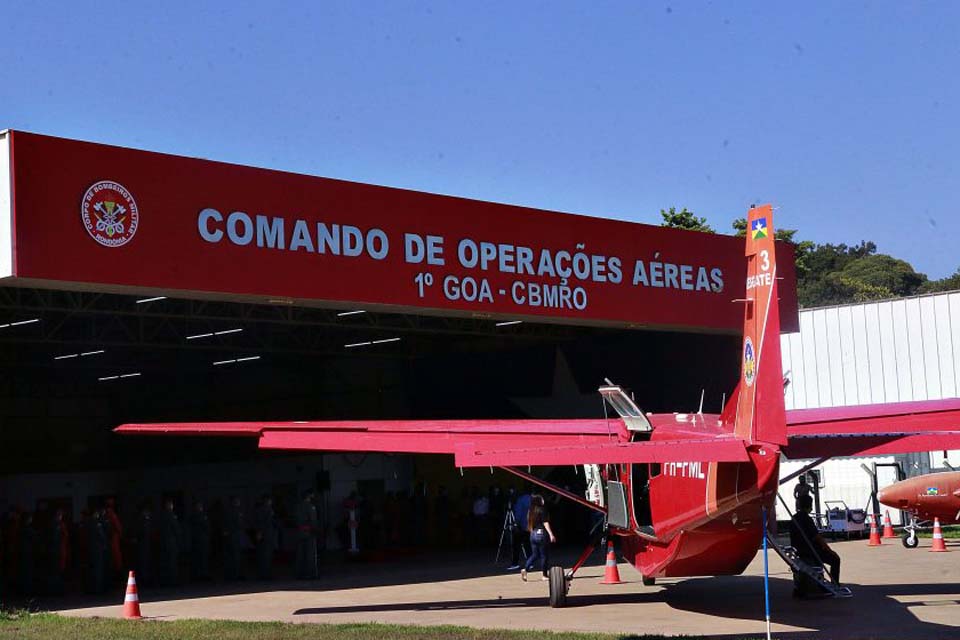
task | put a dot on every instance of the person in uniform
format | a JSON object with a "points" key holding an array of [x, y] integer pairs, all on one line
{"points": [[481, 517], [169, 544], [233, 524], [519, 531], [114, 538], [812, 549], [25, 548], [801, 490], [200, 542], [11, 536], [59, 545], [266, 537], [144, 544], [97, 550], [418, 506], [307, 530]]}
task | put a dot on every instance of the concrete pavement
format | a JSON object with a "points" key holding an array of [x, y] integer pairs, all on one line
{"points": [[897, 593]]}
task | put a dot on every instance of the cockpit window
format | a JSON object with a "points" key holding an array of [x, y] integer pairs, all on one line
{"points": [[625, 408]]}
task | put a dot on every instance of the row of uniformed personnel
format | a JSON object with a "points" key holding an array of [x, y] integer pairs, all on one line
{"points": [[40, 553]]}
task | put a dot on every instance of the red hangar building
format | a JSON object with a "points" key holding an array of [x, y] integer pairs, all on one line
{"points": [[145, 287]]}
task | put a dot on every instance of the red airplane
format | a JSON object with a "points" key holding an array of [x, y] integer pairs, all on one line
{"points": [[684, 491], [934, 495]]}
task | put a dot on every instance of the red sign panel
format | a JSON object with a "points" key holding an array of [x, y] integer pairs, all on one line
{"points": [[103, 217]]}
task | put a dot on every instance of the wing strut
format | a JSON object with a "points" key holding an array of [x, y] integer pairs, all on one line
{"points": [[804, 469], [563, 493]]}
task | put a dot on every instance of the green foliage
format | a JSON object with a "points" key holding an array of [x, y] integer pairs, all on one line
{"points": [[841, 274], [950, 283], [740, 227], [831, 274], [684, 219], [883, 271], [44, 626]]}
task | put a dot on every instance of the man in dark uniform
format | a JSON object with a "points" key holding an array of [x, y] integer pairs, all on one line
{"points": [[266, 536], [307, 530], [519, 531], [114, 530], [200, 542], [169, 544], [233, 523], [97, 549], [58, 556], [801, 490], [25, 550], [811, 547], [144, 544]]}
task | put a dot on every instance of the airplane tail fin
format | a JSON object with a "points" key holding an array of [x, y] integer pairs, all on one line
{"points": [[756, 407]]}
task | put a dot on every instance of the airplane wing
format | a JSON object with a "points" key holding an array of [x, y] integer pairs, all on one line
{"points": [[473, 443], [871, 430]]}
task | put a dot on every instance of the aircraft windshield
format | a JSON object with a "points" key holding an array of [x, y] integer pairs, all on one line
{"points": [[626, 408]]}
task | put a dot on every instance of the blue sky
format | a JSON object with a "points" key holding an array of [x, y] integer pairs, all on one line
{"points": [[841, 114]]}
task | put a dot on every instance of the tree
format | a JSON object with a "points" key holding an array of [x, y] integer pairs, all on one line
{"points": [[840, 274], [879, 270], [950, 283], [684, 219]]}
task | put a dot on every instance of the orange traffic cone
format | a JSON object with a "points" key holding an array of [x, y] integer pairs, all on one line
{"points": [[888, 526], [611, 575], [874, 533], [938, 543], [131, 603]]}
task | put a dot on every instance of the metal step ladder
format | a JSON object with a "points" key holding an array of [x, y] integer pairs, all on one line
{"points": [[797, 565]]}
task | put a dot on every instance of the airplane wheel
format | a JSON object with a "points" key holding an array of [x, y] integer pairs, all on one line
{"points": [[558, 587], [910, 541], [648, 581]]}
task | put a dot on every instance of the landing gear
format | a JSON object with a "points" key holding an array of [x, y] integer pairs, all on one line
{"points": [[648, 581], [559, 585], [910, 540]]}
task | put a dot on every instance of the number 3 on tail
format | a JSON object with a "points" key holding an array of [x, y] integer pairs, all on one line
{"points": [[764, 260]]}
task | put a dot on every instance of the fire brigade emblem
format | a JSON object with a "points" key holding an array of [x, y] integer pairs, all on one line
{"points": [[749, 362], [109, 213]]}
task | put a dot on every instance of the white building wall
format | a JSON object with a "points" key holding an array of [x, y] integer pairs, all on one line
{"points": [[877, 352]]}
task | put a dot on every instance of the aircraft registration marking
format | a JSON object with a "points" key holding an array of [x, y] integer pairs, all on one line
{"points": [[684, 470]]}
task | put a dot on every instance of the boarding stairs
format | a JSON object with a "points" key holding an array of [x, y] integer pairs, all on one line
{"points": [[800, 566]]}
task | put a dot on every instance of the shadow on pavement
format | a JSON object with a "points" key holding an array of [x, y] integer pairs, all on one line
{"points": [[334, 576], [874, 611]]}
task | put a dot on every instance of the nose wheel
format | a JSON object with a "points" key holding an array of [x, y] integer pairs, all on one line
{"points": [[559, 585], [910, 539]]}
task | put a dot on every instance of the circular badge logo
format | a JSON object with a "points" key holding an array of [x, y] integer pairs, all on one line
{"points": [[109, 213], [749, 362]]}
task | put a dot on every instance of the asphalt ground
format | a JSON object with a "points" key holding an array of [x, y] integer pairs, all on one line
{"points": [[898, 593]]}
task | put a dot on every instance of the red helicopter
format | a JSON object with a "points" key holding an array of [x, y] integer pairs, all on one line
{"points": [[684, 492]]}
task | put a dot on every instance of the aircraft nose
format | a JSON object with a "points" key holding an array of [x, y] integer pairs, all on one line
{"points": [[896, 495], [892, 496]]}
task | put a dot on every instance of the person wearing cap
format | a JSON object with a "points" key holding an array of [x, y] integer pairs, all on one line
{"points": [[811, 547]]}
